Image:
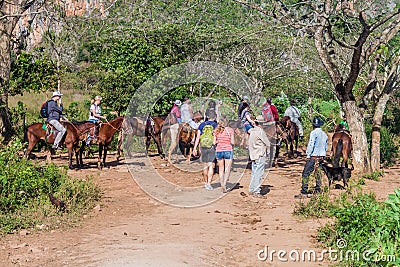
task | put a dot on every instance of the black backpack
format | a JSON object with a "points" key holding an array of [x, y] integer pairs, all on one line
{"points": [[44, 110]]}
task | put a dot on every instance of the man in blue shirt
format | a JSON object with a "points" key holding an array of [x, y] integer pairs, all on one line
{"points": [[316, 150], [55, 109]]}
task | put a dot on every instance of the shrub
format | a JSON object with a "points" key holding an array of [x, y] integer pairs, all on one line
{"points": [[366, 226], [25, 188]]}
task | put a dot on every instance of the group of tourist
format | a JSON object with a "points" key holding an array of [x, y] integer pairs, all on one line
{"points": [[221, 146]]}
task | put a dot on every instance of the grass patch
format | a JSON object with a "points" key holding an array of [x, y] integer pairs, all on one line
{"points": [[375, 176]]}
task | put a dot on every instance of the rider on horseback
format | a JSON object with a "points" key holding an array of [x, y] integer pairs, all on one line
{"points": [[95, 116], [187, 113], [294, 114], [55, 113]]}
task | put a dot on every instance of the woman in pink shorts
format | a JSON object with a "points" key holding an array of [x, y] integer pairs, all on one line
{"points": [[224, 140]]}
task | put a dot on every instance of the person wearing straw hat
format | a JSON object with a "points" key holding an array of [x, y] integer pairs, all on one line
{"points": [[176, 110], [316, 150], [258, 147], [55, 109], [95, 117]]}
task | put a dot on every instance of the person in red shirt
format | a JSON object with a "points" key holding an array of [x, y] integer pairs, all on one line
{"points": [[176, 110], [273, 109]]}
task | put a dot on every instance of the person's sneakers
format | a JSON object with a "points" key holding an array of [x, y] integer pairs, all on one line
{"points": [[55, 147], [300, 196], [258, 195], [208, 186]]}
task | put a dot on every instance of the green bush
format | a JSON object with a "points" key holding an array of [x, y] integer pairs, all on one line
{"points": [[25, 188], [366, 226]]}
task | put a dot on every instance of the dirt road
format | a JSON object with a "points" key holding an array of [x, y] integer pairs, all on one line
{"points": [[130, 228]]}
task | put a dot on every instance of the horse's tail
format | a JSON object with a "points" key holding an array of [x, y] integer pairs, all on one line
{"points": [[339, 148]]}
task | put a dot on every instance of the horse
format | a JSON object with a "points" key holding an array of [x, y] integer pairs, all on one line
{"points": [[154, 126], [288, 133], [341, 146], [104, 138], [182, 135], [35, 132]]}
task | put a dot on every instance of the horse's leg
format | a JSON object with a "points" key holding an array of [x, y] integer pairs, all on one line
{"points": [[120, 140], [148, 140], [81, 150], [99, 166], [105, 155], [70, 152], [157, 139]]}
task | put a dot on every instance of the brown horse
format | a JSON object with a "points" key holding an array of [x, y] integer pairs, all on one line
{"points": [[289, 134], [105, 136], [148, 128], [341, 146], [35, 133], [182, 135], [186, 136]]}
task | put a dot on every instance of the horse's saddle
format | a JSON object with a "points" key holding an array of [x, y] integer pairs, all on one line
{"points": [[49, 130]]}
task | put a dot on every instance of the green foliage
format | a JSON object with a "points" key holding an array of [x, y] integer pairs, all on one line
{"points": [[32, 72], [76, 112], [318, 206], [17, 116], [374, 175], [24, 189], [367, 226]]}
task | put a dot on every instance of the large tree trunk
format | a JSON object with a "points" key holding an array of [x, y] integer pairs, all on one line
{"points": [[376, 132], [14, 9], [6, 129], [355, 119]]}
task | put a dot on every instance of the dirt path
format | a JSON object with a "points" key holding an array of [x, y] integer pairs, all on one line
{"points": [[130, 228]]}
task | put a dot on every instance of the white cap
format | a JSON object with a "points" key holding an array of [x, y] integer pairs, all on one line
{"points": [[178, 102], [57, 93]]}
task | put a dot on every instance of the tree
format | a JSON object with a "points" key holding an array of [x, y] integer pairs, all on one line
{"points": [[347, 36], [11, 13]]}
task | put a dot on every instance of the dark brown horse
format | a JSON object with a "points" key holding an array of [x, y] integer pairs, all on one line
{"points": [[35, 133], [148, 128], [288, 134], [341, 146]]}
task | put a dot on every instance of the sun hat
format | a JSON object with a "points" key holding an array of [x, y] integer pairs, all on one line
{"points": [[98, 98], [57, 93], [178, 102]]}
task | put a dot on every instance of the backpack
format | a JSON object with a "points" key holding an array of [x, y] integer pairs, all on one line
{"points": [[267, 113], [207, 137], [44, 110]]}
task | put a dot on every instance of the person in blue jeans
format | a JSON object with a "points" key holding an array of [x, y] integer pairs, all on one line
{"points": [[316, 150], [258, 147]]}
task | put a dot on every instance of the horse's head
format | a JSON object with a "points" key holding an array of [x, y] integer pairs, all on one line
{"points": [[286, 122], [197, 116]]}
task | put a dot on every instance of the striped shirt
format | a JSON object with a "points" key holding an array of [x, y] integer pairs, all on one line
{"points": [[224, 140]]}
